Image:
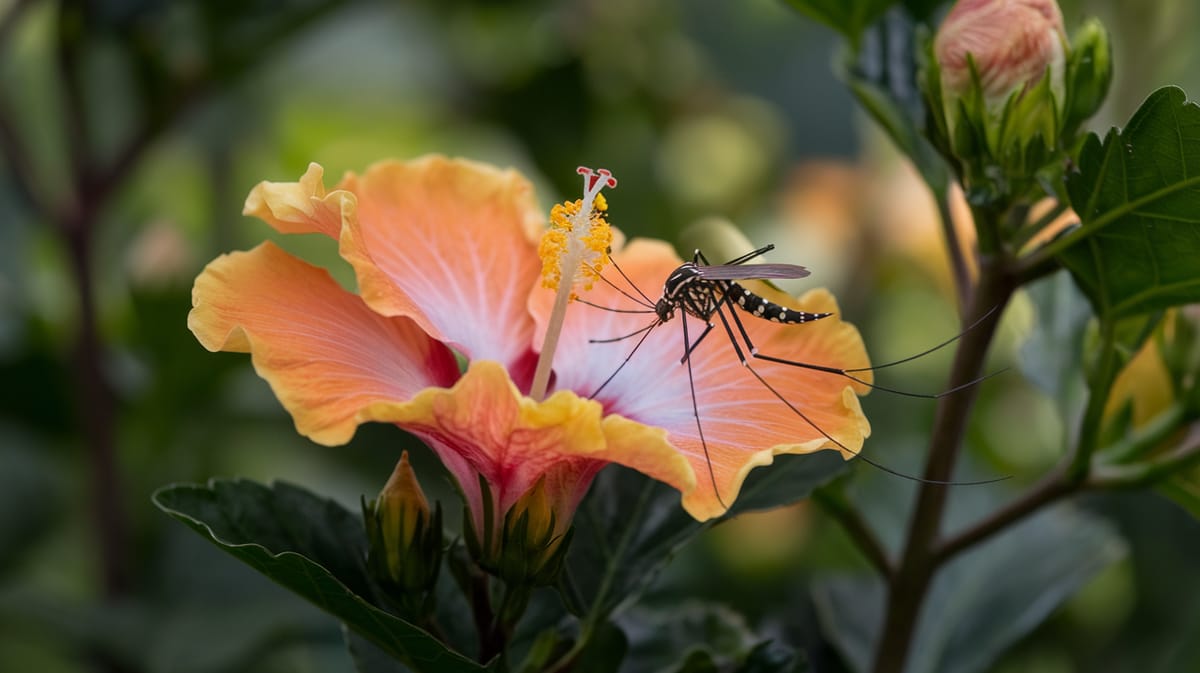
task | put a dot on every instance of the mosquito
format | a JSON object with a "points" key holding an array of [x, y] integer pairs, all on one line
{"points": [[705, 291]]}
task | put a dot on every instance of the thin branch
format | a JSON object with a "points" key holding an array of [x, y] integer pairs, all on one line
{"points": [[1090, 424], [918, 561], [1029, 231], [1145, 438], [1144, 474], [1058, 484], [1052, 487], [958, 261], [71, 33], [852, 521], [1029, 272]]}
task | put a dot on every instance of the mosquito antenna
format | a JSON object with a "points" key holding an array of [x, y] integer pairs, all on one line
{"points": [[858, 454], [938, 347], [875, 386], [649, 301], [628, 296], [613, 310], [647, 329], [744, 258]]}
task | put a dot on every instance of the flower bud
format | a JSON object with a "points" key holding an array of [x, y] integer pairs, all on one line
{"points": [[405, 538], [532, 542], [1089, 72], [1010, 45], [534, 547], [996, 89]]}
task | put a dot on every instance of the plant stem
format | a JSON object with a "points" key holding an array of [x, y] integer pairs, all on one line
{"points": [[1093, 415], [841, 510], [1052, 487], [1058, 484], [958, 261], [918, 560], [1145, 474], [96, 408], [1146, 438]]}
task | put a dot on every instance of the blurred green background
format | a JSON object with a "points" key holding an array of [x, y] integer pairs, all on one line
{"points": [[133, 129]]}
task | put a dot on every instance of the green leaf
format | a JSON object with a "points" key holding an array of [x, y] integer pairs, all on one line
{"points": [[696, 636], [771, 657], [604, 652], [981, 602], [312, 546], [367, 657], [1138, 197], [847, 18], [630, 526], [660, 637], [1184, 489]]}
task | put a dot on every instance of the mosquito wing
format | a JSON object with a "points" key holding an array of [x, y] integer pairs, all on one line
{"points": [[750, 271]]}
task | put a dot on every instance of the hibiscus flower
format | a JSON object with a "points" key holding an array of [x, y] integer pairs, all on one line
{"points": [[445, 253]]}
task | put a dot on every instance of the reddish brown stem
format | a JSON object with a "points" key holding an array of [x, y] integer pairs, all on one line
{"points": [[918, 561]]}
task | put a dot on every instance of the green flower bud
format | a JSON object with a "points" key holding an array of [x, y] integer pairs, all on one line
{"points": [[533, 548], [532, 542], [405, 539], [998, 67], [1089, 73]]}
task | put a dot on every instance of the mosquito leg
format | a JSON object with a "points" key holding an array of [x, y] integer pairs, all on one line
{"points": [[728, 300], [712, 477], [823, 368], [699, 256], [687, 354], [737, 348]]}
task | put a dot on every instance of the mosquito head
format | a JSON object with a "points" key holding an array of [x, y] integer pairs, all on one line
{"points": [[665, 309]]}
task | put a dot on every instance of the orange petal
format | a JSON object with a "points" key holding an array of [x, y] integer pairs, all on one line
{"points": [[326, 355], [744, 423], [301, 207], [484, 426], [451, 244]]}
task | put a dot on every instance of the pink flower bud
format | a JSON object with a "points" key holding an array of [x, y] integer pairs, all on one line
{"points": [[1012, 42]]}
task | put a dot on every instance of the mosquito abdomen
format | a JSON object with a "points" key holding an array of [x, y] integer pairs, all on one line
{"points": [[769, 310]]}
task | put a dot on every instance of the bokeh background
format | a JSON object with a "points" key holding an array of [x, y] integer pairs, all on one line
{"points": [[133, 129]]}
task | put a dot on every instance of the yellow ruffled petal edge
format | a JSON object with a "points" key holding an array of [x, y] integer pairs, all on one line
{"points": [[515, 440], [302, 207]]}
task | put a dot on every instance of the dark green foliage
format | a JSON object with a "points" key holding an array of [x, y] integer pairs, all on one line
{"points": [[1137, 195], [312, 546]]}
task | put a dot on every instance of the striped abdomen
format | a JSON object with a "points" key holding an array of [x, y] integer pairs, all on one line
{"points": [[769, 310]]}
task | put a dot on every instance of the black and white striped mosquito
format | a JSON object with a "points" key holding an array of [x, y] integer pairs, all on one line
{"points": [[706, 292]]}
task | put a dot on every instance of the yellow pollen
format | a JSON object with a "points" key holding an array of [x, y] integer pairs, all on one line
{"points": [[579, 255], [574, 249]]}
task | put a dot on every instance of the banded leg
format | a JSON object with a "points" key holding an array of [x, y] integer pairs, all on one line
{"points": [[712, 477]]}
